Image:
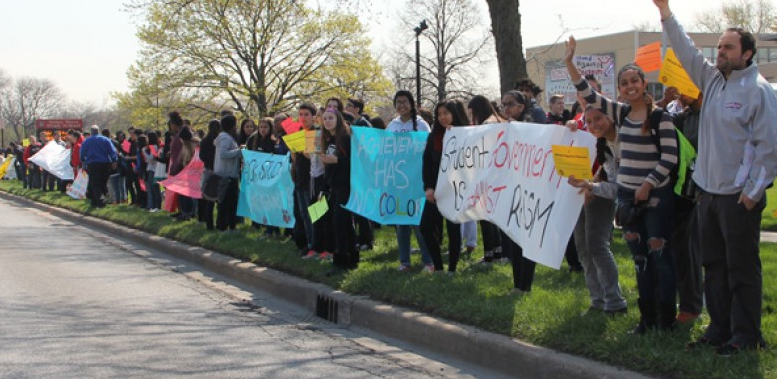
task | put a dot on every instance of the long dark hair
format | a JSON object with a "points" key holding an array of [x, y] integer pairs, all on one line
{"points": [[214, 128], [243, 137], [647, 98], [413, 110], [438, 130], [228, 125], [341, 131], [481, 109]]}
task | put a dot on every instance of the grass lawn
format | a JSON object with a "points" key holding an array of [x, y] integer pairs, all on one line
{"points": [[769, 218], [552, 315]]}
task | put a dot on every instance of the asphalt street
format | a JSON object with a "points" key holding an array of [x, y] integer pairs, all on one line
{"points": [[76, 303]]}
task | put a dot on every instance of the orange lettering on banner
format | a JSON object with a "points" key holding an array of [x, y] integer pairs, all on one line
{"points": [[649, 57]]}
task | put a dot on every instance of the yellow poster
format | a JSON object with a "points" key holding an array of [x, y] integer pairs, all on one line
{"points": [[312, 144], [295, 141], [318, 209], [572, 161], [4, 167], [26, 142], [674, 75]]}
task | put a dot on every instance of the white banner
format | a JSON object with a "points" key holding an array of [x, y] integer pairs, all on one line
{"points": [[55, 159], [504, 173]]}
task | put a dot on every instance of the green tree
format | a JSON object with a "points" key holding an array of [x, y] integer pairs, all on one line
{"points": [[261, 56]]}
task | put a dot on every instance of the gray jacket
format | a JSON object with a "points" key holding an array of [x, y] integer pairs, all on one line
{"points": [[738, 126], [227, 161]]}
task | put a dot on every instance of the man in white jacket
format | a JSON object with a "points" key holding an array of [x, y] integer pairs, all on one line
{"points": [[737, 161]]}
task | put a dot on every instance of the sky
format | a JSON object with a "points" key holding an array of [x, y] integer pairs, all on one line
{"points": [[86, 46]]}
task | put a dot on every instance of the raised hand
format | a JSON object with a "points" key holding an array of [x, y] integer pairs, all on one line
{"points": [[570, 52], [663, 7]]}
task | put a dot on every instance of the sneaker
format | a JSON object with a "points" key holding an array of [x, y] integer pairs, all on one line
{"points": [[428, 268], [685, 317], [365, 247], [700, 343], [404, 268], [728, 350], [310, 255], [153, 210], [502, 260], [450, 273], [615, 312]]}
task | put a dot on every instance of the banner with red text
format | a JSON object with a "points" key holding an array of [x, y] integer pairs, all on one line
{"points": [[505, 174]]}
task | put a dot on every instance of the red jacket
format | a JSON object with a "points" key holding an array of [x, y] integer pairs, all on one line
{"points": [[28, 152], [75, 153]]}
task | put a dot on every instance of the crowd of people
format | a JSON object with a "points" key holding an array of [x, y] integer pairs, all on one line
{"points": [[671, 235]]}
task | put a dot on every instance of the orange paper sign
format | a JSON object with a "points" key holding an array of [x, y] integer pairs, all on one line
{"points": [[649, 57]]}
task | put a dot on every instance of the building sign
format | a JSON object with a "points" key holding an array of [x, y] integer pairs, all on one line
{"points": [[59, 124]]}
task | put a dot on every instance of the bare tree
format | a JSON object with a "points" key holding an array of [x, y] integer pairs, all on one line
{"points": [[460, 46], [506, 28], [756, 16], [27, 100]]}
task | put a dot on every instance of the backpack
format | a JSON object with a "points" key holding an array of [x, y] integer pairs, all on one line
{"points": [[681, 174]]}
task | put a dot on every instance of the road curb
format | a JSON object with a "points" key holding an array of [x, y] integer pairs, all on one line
{"points": [[494, 351]]}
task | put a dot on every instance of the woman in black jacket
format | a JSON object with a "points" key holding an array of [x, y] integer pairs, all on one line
{"points": [[446, 115], [208, 155]]}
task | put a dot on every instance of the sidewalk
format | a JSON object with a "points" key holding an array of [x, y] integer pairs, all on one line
{"points": [[497, 352]]}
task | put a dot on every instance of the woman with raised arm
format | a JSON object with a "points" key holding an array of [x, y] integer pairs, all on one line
{"points": [[648, 155]]}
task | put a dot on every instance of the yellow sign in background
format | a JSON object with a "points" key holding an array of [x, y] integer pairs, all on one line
{"points": [[673, 74]]}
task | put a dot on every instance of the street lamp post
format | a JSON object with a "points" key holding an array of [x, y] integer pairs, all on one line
{"points": [[418, 29]]}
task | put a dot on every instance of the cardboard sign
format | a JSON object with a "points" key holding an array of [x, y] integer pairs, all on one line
{"points": [[572, 161], [674, 75]]}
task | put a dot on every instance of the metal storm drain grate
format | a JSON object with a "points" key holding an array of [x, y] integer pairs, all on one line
{"points": [[326, 308]]}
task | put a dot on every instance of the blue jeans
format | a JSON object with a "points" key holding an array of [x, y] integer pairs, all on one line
{"points": [[655, 268], [118, 186], [154, 199], [403, 244]]}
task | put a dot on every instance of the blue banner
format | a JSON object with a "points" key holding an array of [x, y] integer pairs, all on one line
{"points": [[266, 189], [386, 184]]}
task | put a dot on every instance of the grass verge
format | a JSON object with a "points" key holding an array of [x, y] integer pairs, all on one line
{"points": [[552, 315]]}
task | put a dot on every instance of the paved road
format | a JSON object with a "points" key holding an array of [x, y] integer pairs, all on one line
{"points": [[78, 304]]}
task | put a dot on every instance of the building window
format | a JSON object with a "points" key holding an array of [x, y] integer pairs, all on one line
{"points": [[711, 53], [656, 90], [766, 54]]}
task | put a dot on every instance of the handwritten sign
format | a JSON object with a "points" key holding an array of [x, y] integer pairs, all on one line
{"points": [[290, 126], [674, 75], [505, 173], [188, 181], [266, 189], [386, 175], [572, 161], [295, 141], [4, 168], [55, 159], [318, 209], [649, 57], [312, 141], [602, 66]]}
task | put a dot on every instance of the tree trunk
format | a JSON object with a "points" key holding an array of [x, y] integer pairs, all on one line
{"points": [[506, 27]]}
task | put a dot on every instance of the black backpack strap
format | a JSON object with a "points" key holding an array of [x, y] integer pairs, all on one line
{"points": [[655, 124]]}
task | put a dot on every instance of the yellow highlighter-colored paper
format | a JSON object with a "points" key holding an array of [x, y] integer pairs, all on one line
{"points": [[295, 141], [572, 161], [312, 143], [318, 209], [674, 75]]}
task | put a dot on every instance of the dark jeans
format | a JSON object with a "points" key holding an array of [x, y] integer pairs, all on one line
{"points": [[687, 256], [227, 213], [655, 268], [34, 178], [187, 206], [365, 234], [431, 229], [154, 193], [733, 285], [98, 182], [21, 174]]}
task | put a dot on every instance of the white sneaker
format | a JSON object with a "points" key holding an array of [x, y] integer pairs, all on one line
{"points": [[428, 268]]}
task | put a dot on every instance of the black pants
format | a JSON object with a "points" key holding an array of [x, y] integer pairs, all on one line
{"points": [[733, 285], [523, 268], [323, 229], [687, 256], [491, 241], [21, 174], [431, 230], [366, 234], [98, 182], [346, 254], [205, 212], [227, 211]]}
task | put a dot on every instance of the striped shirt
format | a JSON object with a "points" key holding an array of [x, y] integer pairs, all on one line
{"points": [[641, 159]]}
